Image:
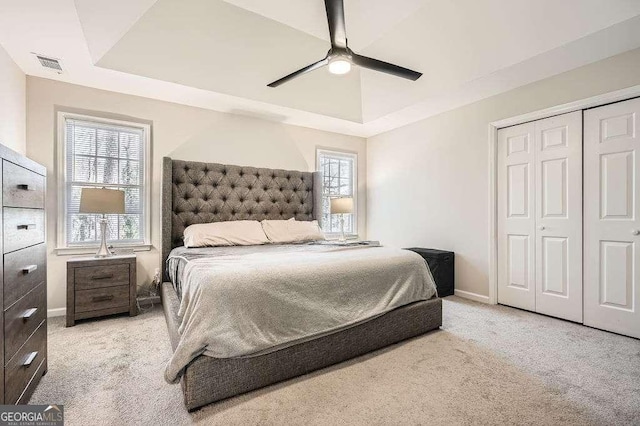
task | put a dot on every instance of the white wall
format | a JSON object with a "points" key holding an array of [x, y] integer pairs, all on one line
{"points": [[12, 104], [180, 132], [428, 182]]}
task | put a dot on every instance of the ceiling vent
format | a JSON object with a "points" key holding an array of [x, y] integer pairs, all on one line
{"points": [[50, 63]]}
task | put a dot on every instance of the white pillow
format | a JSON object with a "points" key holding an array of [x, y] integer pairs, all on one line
{"points": [[231, 233], [292, 231]]}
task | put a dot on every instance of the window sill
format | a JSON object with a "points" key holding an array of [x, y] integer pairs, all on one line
{"points": [[72, 251], [336, 236]]}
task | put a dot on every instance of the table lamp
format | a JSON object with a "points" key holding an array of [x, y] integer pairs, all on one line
{"points": [[342, 206], [102, 201]]}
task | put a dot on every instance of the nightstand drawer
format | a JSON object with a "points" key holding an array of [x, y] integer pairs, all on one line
{"points": [[21, 187], [91, 277], [22, 228], [102, 298], [23, 271], [21, 319], [24, 364]]}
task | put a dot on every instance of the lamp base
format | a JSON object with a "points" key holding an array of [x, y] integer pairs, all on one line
{"points": [[103, 251]]}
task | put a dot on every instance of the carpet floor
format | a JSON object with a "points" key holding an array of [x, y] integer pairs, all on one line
{"points": [[487, 365]]}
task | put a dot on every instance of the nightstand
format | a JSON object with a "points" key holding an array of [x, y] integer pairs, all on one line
{"points": [[100, 286], [441, 263]]}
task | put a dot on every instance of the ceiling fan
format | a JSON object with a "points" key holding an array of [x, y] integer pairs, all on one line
{"points": [[340, 57]]}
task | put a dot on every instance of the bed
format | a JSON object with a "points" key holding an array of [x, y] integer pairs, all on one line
{"points": [[195, 192]]}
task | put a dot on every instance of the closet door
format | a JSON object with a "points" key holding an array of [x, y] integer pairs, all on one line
{"points": [[558, 194], [611, 217], [516, 217]]}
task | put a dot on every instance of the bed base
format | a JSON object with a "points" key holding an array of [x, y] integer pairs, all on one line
{"points": [[208, 380]]}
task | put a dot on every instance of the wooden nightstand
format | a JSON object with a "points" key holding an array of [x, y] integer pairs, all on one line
{"points": [[100, 286]]}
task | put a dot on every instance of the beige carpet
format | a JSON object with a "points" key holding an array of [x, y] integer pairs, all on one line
{"points": [[488, 365]]}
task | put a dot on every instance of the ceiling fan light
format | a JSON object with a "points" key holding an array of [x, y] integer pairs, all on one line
{"points": [[339, 66]]}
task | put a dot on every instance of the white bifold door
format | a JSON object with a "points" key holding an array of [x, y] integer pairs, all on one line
{"points": [[540, 216], [611, 216]]}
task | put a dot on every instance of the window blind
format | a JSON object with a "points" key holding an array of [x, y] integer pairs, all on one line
{"points": [[104, 156], [338, 180]]}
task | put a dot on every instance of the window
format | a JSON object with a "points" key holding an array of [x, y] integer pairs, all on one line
{"points": [[102, 153], [339, 179]]}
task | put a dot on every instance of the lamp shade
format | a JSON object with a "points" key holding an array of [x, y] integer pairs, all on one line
{"points": [[102, 200], [341, 205]]}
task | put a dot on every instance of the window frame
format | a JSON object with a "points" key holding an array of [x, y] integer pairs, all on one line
{"points": [[62, 246], [354, 156]]}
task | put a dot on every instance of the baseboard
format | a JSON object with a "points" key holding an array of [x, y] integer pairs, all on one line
{"points": [[472, 296], [58, 312]]}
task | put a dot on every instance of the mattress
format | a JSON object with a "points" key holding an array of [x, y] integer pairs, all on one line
{"points": [[251, 300]]}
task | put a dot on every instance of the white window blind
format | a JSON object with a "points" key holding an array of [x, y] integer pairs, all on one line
{"points": [[104, 155], [339, 175]]}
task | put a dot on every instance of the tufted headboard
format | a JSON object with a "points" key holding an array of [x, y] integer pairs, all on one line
{"points": [[194, 192]]}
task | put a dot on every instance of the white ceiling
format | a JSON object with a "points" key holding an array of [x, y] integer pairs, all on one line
{"points": [[220, 54]]}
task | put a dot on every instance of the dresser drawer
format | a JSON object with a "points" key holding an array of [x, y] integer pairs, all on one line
{"points": [[23, 271], [25, 363], [90, 277], [21, 319], [22, 228], [21, 187], [102, 298]]}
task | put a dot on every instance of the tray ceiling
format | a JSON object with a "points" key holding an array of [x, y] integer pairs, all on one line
{"points": [[222, 53]]}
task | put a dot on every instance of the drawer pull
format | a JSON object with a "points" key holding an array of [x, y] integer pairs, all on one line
{"points": [[102, 277], [29, 269], [29, 360], [102, 298], [29, 313], [27, 226], [26, 187]]}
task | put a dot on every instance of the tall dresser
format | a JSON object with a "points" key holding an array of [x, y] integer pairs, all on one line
{"points": [[24, 277]]}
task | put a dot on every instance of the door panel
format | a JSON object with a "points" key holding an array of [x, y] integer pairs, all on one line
{"points": [[554, 266], [518, 261], [612, 225], [558, 240], [554, 188], [518, 191], [516, 223], [617, 181], [616, 266]]}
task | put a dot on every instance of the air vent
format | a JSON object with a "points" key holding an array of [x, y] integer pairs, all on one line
{"points": [[50, 63]]}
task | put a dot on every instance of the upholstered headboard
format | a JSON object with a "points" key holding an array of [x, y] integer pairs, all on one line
{"points": [[194, 192]]}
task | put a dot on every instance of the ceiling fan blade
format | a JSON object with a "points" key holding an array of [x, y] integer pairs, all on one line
{"points": [[335, 17], [377, 65], [308, 68]]}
